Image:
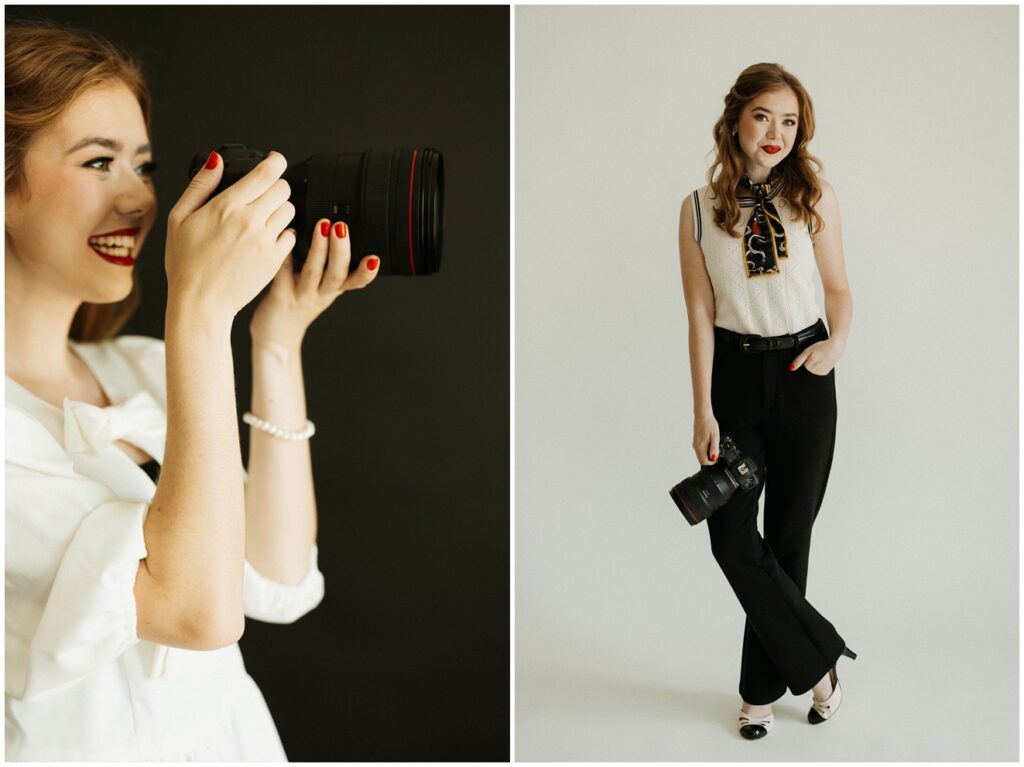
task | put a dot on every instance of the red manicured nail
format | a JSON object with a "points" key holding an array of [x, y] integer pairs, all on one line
{"points": [[792, 367], [340, 230], [211, 161], [714, 457], [325, 228], [372, 264]]}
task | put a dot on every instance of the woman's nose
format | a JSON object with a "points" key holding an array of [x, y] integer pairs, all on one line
{"points": [[136, 198]]}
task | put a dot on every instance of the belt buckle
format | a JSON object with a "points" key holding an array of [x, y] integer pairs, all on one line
{"points": [[746, 340]]}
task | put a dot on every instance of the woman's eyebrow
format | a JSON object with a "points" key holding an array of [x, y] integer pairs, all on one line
{"points": [[108, 143], [791, 114]]}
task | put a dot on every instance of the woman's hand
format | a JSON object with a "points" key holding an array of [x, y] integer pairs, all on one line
{"points": [[220, 254], [819, 358], [295, 300], [705, 438]]}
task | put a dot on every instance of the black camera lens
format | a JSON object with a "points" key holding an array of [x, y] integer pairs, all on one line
{"points": [[703, 493], [700, 495], [391, 199]]}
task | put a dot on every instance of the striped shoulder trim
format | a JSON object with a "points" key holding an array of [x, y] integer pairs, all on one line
{"points": [[696, 214]]}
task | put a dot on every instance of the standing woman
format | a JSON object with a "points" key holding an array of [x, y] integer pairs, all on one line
{"points": [[135, 542], [763, 370]]}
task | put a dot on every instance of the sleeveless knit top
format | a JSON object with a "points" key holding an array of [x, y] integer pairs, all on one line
{"points": [[765, 305]]}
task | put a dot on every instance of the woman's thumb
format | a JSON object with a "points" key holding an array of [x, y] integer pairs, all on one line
{"points": [[200, 186]]}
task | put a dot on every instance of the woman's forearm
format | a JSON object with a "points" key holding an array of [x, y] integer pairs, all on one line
{"points": [[702, 353], [189, 588], [839, 312], [280, 505]]}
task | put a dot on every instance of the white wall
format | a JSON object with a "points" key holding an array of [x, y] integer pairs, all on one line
{"points": [[627, 634]]}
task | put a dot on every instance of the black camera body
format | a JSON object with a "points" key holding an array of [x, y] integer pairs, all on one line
{"points": [[698, 496], [391, 199]]}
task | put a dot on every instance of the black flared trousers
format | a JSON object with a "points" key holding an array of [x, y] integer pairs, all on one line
{"points": [[787, 421]]}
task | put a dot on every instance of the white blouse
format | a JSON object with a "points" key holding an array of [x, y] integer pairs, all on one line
{"points": [[765, 305], [80, 683]]}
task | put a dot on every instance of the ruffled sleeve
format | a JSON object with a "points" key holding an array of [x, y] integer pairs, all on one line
{"points": [[273, 602], [72, 555]]}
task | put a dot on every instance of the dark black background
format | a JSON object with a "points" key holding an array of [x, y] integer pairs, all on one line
{"points": [[407, 658]]}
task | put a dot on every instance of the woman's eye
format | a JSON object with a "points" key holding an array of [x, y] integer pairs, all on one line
{"points": [[91, 163], [791, 122], [147, 169]]}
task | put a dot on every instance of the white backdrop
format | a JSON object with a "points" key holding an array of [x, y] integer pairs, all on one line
{"points": [[628, 636]]}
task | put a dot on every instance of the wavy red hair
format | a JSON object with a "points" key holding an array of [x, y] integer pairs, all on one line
{"points": [[800, 185]]}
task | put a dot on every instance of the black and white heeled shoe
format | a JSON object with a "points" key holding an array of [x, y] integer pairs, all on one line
{"points": [[821, 710], [753, 728]]}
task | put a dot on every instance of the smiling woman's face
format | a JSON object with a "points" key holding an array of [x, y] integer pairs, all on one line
{"points": [[770, 119], [72, 194]]}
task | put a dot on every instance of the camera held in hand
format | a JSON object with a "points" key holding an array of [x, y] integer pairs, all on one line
{"points": [[712, 487], [391, 199]]}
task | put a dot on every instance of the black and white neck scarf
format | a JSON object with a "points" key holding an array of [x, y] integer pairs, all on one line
{"points": [[764, 240]]}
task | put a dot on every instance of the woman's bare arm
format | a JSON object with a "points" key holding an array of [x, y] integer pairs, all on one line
{"points": [[700, 311], [188, 591], [280, 504], [821, 357], [280, 501], [828, 252], [219, 254]]}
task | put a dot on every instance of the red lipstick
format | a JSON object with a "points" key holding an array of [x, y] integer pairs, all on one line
{"points": [[119, 260], [119, 232], [771, 149]]}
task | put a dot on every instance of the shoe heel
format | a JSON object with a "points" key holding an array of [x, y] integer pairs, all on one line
{"points": [[849, 653]]}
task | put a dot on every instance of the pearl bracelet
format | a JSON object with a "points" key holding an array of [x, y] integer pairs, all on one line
{"points": [[276, 431]]}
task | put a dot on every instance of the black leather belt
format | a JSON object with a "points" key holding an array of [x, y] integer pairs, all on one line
{"points": [[754, 343]]}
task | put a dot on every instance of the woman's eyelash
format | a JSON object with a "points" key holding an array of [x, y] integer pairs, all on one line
{"points": [[764, 115], [148, 168]]}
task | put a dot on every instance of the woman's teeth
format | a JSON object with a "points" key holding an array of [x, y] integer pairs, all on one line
{"points": [[115, 246]]}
